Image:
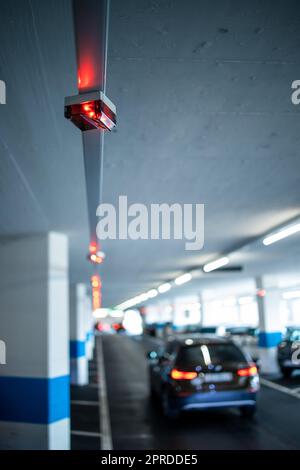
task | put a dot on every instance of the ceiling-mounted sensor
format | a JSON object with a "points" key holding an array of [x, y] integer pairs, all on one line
{"points": [[91, 111], [95, 256]]}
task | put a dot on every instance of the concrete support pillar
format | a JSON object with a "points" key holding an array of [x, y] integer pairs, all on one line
{"points": [[34, 382], [90, 337], [268, 301], [78, 353], [163, 317], [176, 315], [160, 323]]}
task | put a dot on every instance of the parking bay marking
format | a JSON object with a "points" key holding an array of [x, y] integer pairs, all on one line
{"points": [[85, 433], [84, 402], [280, 388], [106, 438]]}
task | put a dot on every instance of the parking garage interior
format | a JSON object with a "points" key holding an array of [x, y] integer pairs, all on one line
{"points": [[158, 102]]}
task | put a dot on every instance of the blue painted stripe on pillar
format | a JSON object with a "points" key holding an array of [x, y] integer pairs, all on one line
{"points": [[177, 327], [77, 348], [269, 340], [34, 400], [89, 335]]}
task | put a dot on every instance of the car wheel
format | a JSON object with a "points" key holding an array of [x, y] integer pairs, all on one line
{"points": [[151, 387], [286, 372], [248, 411], [152, 391], [168, 411]]}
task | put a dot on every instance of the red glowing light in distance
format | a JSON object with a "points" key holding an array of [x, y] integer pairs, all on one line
{"points": [[261, 293], [93, 247], [96, 291]]}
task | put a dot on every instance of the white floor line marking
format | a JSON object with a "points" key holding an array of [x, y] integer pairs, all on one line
{"points": [[106, 439], [84, 402], [135, 436], [85, 433], [279, 388]]}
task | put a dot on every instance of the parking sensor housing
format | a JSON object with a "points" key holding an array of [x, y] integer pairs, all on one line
{"points": [[90, 111]]}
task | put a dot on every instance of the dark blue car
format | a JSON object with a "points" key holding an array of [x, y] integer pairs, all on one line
{"points": [[200, 372]]}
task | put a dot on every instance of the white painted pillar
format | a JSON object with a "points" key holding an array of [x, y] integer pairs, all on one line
{"points": [[34, 382], [78, 353], [90, 337], [164, 317], [268, 301], [177, 315]]}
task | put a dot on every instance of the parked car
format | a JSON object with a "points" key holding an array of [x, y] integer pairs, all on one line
{"points": [[118, 327], [103, 328], [242, 331], [288, 351], [247, 338], [193, 372], [214, 330]]}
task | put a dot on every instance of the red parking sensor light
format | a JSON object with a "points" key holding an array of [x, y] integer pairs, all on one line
{"points": [[261, 293], [91, 111], [93, 247], [96, 291], [96, 258]]}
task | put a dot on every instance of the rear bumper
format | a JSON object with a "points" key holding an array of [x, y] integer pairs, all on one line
{"points": [[288, 364], [214, 400]]}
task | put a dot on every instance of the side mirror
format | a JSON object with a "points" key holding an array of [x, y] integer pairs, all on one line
{"points": [[152, 356]]}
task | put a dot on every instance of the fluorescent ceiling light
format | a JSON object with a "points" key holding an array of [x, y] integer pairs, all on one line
{"points": [[100, 313], [152, 293], [164, 287], [134, 301], [293, 294], [183, 279], [142, 298], [281, 234], [128, 303], [116, 313], [215, 264]]}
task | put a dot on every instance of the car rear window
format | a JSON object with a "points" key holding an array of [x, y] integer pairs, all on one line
{"points": [[208, 329], [206, 354]]}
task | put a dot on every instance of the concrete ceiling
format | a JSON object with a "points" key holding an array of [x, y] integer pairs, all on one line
{"points": [[204, 115]]}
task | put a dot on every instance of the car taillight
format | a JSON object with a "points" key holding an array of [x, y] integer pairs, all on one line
{"points": [[182, 375], [248, 372]]}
